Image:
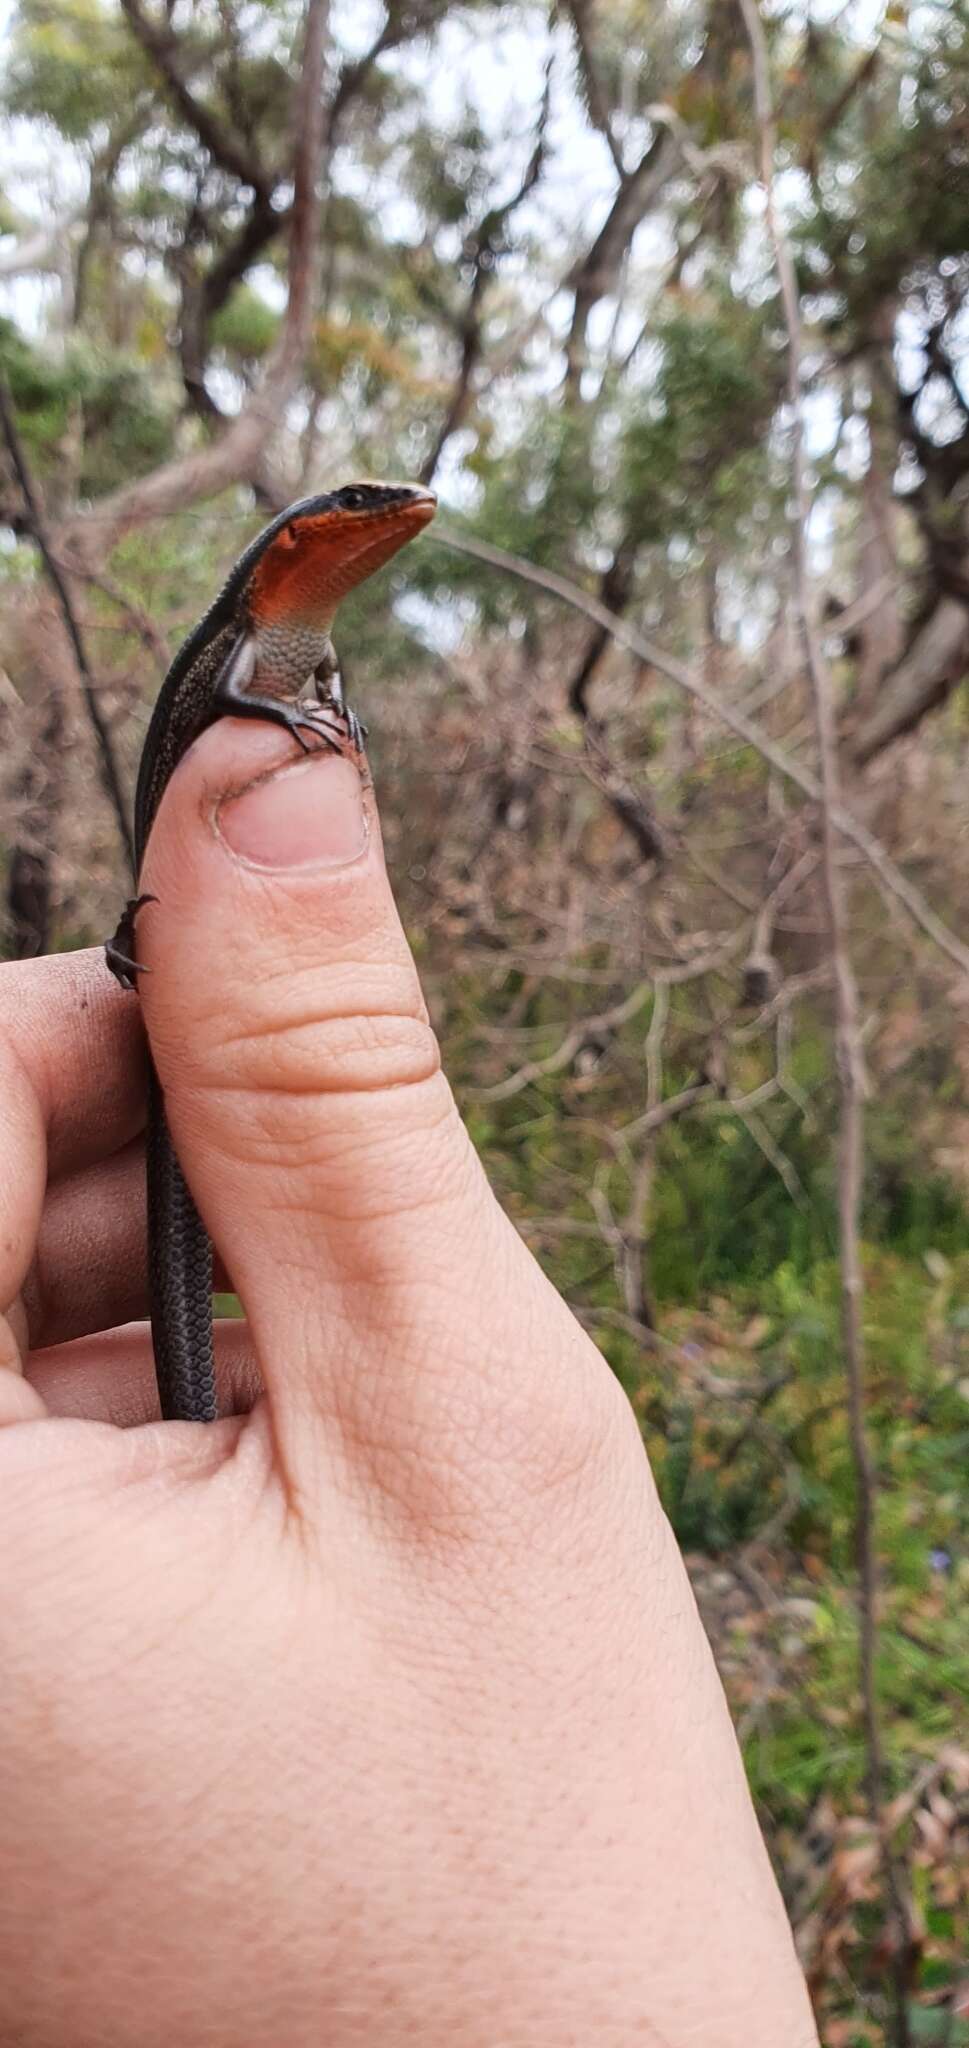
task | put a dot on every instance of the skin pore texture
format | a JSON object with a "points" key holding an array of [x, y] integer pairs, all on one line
{"points": [[378, 1712]]}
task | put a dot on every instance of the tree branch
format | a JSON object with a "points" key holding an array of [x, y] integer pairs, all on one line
{"points": [[161, 45], [110, 774], [927, 674], [98, 213], [483, 246], [850, 827], [610, 1020], [630, 805], [205, 297], [851, 1076], [595, 99], [830, 116], [41, 249], [615, 589], [398, 23], [238, 453], [597, 272]]}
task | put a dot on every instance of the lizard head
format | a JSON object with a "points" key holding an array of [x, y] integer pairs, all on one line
{"points": [[323, 546]]}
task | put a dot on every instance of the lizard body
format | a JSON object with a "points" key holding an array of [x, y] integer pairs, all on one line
{"points": [[266, 635]]}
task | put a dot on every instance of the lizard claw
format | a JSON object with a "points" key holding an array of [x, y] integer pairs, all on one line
{"points": [[356, 730], [119, 950], [311, 718], [325, 720]]}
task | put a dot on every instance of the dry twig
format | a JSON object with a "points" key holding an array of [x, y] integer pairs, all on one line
{"points": [[850, 827]]}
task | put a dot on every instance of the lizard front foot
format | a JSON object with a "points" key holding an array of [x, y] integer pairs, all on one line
{"points": [[119, 950]]}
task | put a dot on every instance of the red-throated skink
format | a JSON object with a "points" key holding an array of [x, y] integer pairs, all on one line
{"points": [[265, 638]]}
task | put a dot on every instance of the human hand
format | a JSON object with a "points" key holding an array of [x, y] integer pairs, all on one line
{"points": [[381, 1713]]}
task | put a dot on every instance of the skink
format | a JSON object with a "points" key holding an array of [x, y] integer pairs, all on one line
{"points": [[265, 638]]}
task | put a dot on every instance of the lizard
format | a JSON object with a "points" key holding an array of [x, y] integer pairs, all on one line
{"points": [[263, 640]]}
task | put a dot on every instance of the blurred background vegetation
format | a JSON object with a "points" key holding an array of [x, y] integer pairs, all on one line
{"points": [[537, 273]]}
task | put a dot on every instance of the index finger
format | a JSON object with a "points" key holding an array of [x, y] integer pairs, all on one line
{"points": [[78, 1040], [71, 1091]]}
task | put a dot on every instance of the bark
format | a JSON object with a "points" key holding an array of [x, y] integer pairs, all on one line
{"points": [[597, 273], [935, 662]]}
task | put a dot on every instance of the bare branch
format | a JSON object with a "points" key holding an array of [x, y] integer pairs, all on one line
{"points": [[589, 1027], [715, 1384], [595, 99], [138, 619], [710, 961], [615, 590], [98, 212], [482, 246], [830, 116], [845, 618], [926, 675], [41, 249], [205, 297], [110, 773], [851, 1077], [847, 824], [666, 1112], [785, 1169], [630, 805], [223, 144], [597, 272]]}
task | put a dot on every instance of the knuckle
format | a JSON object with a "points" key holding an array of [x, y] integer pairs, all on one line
{"points": [[332, 1055], [470, 1446], [300, 1040]]}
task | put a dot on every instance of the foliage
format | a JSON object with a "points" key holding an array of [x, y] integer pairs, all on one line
{"points": [[71, 65], [245, 329], [694, 453], [767, 1476], [100, 400]]}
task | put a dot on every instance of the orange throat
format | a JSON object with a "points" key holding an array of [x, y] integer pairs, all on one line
{"points": [[315, 560]]}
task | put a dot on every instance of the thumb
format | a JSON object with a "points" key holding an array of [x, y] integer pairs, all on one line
{"points": [[305, 1095]]}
